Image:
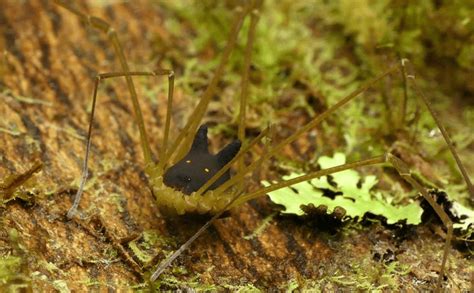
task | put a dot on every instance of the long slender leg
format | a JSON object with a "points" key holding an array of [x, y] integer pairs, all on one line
{"points": [[394, 161], [98, 79], [167, 262], [306, 177], [397, 163], [181, 145], [243, 103], [254, 16], [403, 105], [169, 110], [245, 78], [104, 27], [268, 154], [402, 169], [313, 123], [449, 142]]}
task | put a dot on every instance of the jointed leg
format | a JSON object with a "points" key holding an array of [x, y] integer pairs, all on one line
{"points": [[405, 172], [236, 194], [396, 163], [313, 123], [104, 27], [245, 82], [441, 127], [245, 78], [99, 78], [181, 145]]}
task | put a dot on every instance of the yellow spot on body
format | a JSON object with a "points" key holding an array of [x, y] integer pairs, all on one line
{"points": [[188, 161], [207, 170]]}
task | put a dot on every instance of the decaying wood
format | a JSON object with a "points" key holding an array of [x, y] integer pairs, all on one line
{"points": [[48, 63]]}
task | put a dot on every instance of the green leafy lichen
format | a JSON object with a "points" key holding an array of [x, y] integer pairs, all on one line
{"points": [[354, 194]]}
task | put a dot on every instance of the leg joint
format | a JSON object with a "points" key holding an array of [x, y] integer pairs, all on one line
{"points": [[398, 164]]}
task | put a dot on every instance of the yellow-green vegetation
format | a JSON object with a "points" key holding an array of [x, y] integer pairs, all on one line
{"points": [[352, 193], [14, 273], [355, 195], [310, 54], [9, 269], [319, 51], [304, 66]]}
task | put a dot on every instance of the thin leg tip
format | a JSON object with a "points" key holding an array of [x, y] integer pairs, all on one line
{"points": [[71, 213]]}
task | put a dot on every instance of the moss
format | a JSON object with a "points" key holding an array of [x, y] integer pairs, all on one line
{"points": [[10, 267], [14, 271]]}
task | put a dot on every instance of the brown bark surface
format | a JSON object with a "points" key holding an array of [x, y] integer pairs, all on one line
{"points": [[48, 63]]}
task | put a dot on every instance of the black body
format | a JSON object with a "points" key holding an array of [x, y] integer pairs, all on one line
{"points": [[198, 166]]}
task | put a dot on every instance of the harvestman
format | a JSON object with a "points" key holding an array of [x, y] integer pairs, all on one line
{"points": [[207, 197]]}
